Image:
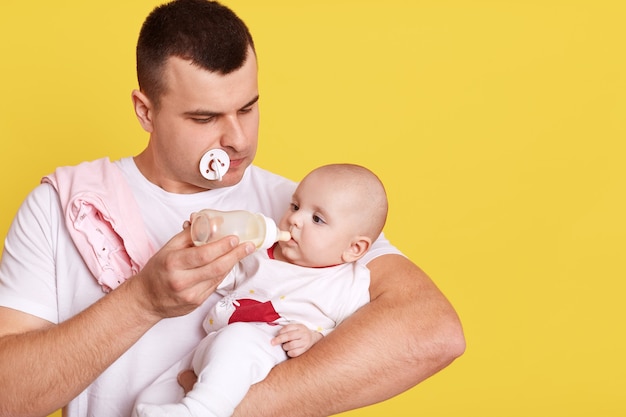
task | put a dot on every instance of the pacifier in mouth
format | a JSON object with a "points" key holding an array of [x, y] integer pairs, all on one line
{"points": [[214, 164]]}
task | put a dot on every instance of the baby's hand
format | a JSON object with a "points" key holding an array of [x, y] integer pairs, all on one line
{"points": [[296, 339]]}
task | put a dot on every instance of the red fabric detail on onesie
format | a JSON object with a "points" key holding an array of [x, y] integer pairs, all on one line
{"points": [[270, 251], [253, 311]]}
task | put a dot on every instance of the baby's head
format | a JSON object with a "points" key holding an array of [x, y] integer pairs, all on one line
{"points": [[336, 213]]}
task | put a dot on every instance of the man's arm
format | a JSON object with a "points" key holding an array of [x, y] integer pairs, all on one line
{"points": [[408, 332], [43, 366]]}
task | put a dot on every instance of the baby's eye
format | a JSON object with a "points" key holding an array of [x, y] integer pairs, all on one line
{"points": [[294, 207], [318, 219]]}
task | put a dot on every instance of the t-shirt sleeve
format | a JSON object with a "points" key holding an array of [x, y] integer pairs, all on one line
{"points": [[27, 268], [355, 294], [380, 247]]}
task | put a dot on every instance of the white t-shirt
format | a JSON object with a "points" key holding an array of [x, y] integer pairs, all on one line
{"points": [[42, 273]]}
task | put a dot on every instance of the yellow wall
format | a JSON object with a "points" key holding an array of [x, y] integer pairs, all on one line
{"points": [[498, 127]]}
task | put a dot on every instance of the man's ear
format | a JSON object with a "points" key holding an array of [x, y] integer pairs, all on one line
{"points": [[143, 110], [358, 246]]}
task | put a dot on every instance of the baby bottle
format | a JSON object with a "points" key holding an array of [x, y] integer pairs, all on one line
{"points": [[208, 225]]}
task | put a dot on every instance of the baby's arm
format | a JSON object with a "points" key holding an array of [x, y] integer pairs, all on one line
{"points": [[296, 339]]}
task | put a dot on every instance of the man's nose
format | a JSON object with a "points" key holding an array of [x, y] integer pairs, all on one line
{"points": [[233, 135]]}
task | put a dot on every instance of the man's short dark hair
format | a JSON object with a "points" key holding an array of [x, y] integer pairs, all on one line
{"points": [[206, 33]]}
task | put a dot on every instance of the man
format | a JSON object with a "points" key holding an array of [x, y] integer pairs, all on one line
{"points": [[66, 342]]}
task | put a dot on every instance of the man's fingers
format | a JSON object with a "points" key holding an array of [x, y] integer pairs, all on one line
{"points": [[209, 252], [180, 276], [207, 266]]}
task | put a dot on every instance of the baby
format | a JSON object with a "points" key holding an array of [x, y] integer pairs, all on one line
{"points": [[279, 302]]}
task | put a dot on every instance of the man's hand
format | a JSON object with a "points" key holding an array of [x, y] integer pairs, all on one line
{"points": [[296, 339], [181, 276]]}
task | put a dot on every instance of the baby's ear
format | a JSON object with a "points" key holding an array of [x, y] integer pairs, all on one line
{"points": [[358, 246]]}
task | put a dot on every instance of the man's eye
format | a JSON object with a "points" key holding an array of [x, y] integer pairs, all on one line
{"points": [[245, 110], [203, 120]]}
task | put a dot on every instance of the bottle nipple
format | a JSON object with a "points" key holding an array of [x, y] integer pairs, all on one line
{"points": [[283, 236]]}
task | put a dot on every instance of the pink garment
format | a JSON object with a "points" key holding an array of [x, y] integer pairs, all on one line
{"points": [[103, 219]]}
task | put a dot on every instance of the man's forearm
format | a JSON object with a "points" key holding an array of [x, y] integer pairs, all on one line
{"points": [[406, 333], [41, 370]]}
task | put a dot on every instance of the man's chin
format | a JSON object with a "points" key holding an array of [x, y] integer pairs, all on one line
{"points": [[228, 180]]}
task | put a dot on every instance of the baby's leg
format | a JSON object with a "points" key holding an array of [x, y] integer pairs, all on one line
{"points": [[165, 389], [227, 363], [240, 355]]}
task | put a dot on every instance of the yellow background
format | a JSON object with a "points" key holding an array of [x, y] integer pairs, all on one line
{"points": [[497, 126]]}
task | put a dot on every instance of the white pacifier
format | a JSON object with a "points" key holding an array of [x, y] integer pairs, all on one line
{"points": [[214, 164]]}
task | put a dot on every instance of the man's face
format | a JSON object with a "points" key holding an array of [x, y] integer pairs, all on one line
{"points": [[199, 111]]}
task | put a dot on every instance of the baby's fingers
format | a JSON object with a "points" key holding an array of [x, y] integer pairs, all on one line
{"points": [[282, 338]]}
